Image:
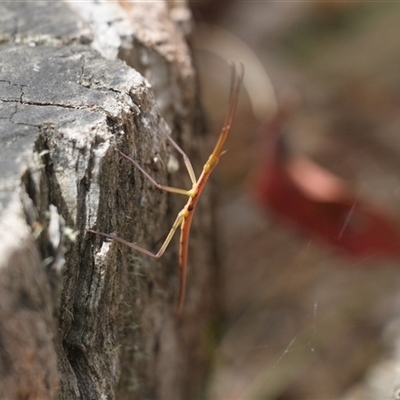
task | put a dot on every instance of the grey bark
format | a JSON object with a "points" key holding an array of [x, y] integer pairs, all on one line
{"points": [[82, 317]]}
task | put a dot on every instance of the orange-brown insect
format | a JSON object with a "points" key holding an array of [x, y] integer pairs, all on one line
{"points": [[185, 216]]}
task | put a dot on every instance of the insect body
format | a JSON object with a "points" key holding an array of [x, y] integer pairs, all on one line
{"points": [[185, 216]]}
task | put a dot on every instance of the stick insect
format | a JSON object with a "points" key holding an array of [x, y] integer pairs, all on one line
{"points": [[185, 216]]}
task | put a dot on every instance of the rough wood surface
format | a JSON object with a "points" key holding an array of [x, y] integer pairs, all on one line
{"points": [[83, 318]]}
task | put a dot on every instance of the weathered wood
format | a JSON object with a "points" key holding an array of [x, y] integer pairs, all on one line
{"points": [[103, 313]]}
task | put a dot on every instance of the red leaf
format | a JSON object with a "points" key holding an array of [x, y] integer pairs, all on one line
{"points": [[312, 199]]}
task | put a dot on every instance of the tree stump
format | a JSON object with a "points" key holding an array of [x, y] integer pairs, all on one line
{"points": [[83, 317]]}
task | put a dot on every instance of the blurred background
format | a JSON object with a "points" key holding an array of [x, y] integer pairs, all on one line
{"points": [[309, 203]]}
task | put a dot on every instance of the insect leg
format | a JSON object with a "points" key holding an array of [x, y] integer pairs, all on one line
{"points": [[186, 160], [160, 252], [152, 180]]}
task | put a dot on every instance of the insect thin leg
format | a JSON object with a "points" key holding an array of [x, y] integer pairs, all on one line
{"points": [[236, 82], [160, 252], [186, 159], [152, 180]]}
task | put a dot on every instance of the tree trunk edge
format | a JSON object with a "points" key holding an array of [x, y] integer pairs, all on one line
{"points": [[144, 352]]}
